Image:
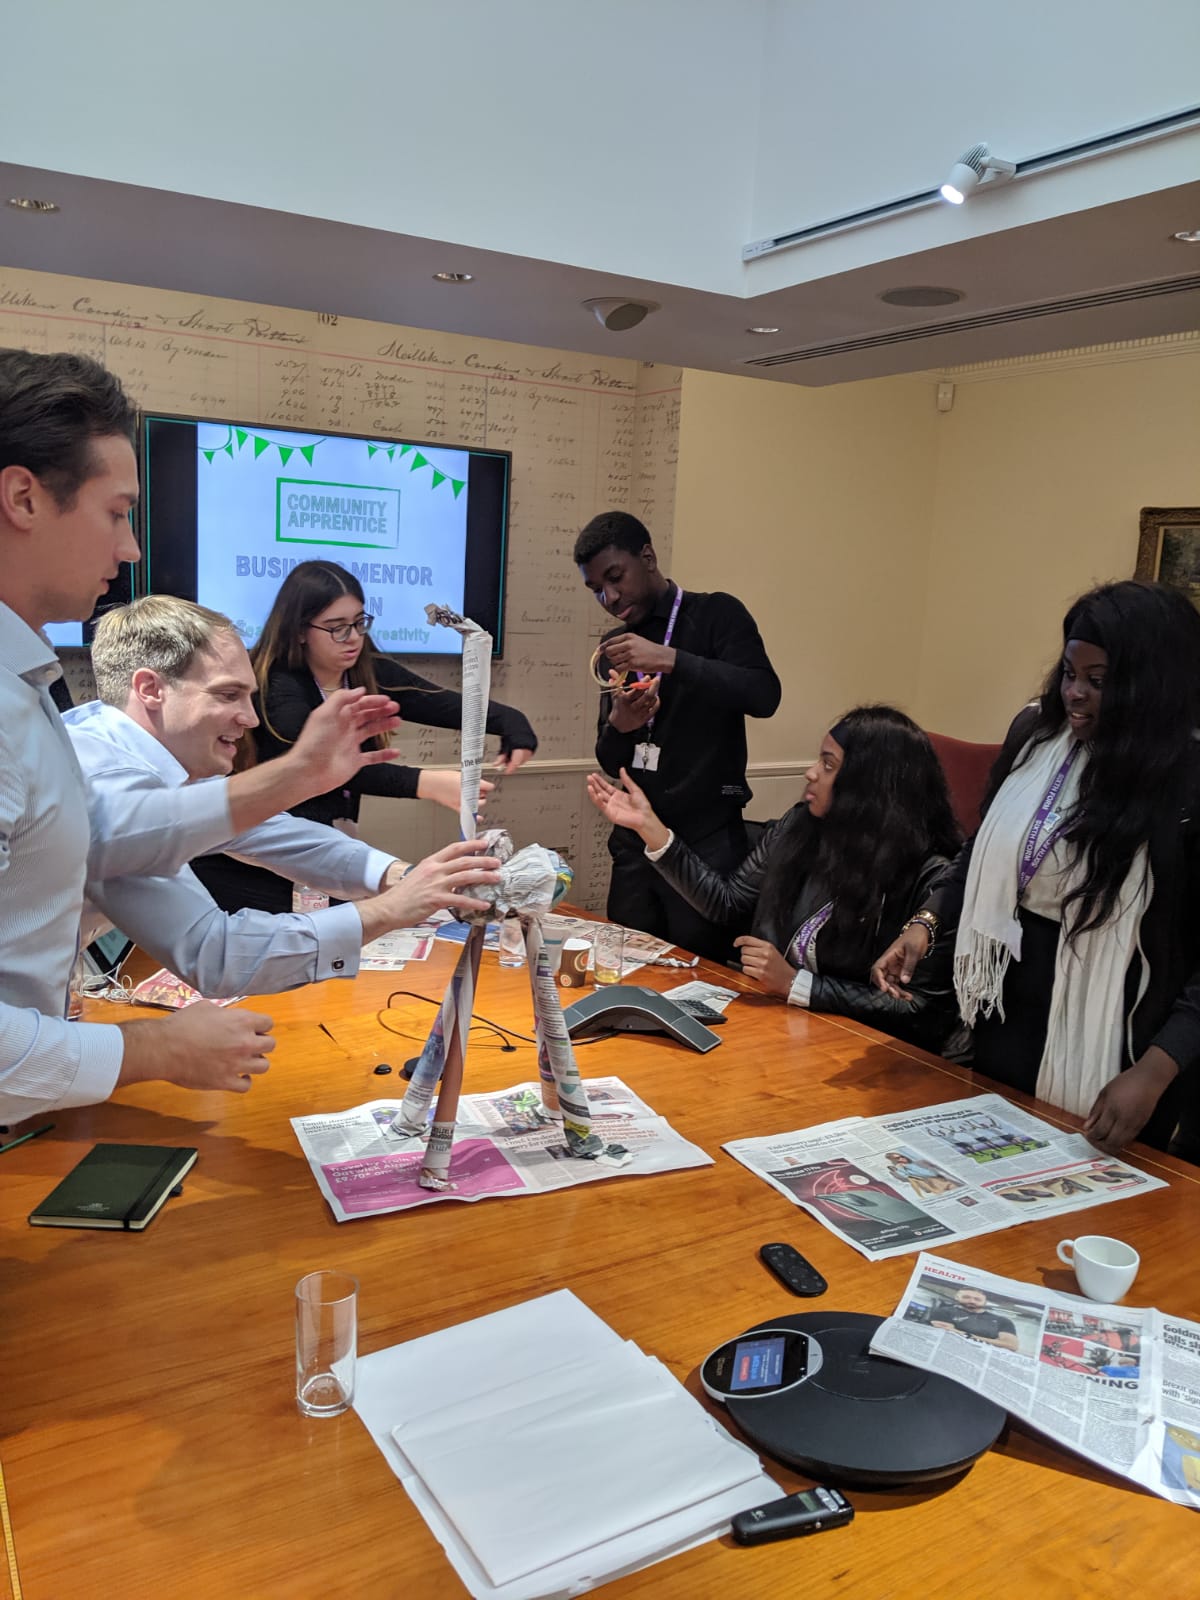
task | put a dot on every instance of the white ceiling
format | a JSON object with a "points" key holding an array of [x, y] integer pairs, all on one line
{"points": [[126, 234]]}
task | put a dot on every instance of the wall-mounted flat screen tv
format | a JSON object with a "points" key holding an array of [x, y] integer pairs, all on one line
{"points": [[231, 507]]}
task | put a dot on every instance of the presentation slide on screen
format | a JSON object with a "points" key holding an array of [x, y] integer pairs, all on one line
{"points": [[62, 635], [395, 515]]}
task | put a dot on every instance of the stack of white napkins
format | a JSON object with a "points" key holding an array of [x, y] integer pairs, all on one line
{"points": [[547, 1454]]}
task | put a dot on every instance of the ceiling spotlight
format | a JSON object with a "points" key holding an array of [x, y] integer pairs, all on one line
{"points": [[619, 315], [454, 277], [21, 202], [974, 167], [763, 329], [1187, 236]]}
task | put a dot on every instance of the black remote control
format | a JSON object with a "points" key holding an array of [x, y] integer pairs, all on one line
{"points": [[792, 1270]]}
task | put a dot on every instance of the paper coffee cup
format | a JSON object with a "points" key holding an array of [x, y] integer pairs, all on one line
{"points": [[572, 967]]}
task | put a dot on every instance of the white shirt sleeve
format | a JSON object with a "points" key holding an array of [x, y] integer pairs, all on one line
{"points": [[139, 825], [47, 1064], [310, 852], [656, 855], [176, 921], [800, 994]]}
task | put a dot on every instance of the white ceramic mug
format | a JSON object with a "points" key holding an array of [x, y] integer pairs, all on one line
{"points": [[1104, 1268]]}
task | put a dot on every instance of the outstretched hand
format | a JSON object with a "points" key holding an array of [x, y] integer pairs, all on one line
{"points": [[330, 746], [627, 807]]}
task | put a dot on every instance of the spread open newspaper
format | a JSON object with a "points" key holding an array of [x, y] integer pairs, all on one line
{"points": [[503, 1146], [1117, 1384], [889, 1185]]}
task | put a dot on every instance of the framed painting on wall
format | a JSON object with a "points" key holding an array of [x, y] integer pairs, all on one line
{"points": [[1169, 548]]}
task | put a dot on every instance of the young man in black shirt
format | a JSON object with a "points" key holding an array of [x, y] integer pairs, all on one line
{"points": [[697, 669]]}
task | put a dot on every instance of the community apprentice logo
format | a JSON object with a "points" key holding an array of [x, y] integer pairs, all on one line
{"points": [[308, 512]]}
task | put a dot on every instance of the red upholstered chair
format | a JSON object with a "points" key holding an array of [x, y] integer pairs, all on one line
{"points": [[966, 767]]}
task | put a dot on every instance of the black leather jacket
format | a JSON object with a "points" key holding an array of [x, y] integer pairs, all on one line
{"points": [[926, 1020]]}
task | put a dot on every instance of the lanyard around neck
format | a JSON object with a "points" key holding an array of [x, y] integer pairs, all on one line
{"points": [[666, 642], [1046, 825]]}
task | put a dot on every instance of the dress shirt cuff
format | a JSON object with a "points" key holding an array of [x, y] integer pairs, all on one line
{"points": [[377, 863], [339, 935], [800, 994], [657, 855], [48, 1063], [101, 1051]]}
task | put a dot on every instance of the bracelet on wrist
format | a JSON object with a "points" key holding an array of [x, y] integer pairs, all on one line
{"points": [[930, 922]]}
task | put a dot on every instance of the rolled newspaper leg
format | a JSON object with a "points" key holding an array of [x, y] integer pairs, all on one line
{"points": [[552, 1034], [435, 1171], [414, 1109], [538, 950]]}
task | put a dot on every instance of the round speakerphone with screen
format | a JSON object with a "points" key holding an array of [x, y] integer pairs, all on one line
{"points": [[854, 1417], [760, 1364]]}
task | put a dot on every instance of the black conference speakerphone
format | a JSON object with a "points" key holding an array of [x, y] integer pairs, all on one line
{"points": [[628, 1008]]}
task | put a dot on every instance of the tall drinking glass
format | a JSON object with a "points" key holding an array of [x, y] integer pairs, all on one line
{"points": [[608, 950], [326, 1342]]}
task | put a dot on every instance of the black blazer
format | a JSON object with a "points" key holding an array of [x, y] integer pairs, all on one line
{"points": [[926, 1020]]}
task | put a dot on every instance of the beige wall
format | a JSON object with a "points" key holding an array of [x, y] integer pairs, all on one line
{"points": [[813, 506], [892, 552], [1042, 469]]}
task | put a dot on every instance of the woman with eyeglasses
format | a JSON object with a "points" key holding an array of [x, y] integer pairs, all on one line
{"points": [[317, 639]]}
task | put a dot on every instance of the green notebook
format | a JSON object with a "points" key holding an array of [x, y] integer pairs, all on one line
{"points": [[114, 1186]]}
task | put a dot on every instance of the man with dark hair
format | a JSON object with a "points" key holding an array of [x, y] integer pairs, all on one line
{"points": [[68, 482], [687, 670], [969, 1314]]}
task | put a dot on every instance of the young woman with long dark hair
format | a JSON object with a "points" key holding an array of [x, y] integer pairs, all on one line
{"points": [[315, 640], [871, 837], [1078, 942]]}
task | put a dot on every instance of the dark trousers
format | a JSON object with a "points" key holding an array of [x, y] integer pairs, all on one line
{"points": [[639, 897], [1011, 1051]]}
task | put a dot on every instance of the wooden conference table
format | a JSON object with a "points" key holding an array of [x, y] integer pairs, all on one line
{"points": [[150, 1442]]}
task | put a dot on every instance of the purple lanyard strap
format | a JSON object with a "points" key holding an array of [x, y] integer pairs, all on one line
{"points": [[1046, 825], [803, 950], [666, 642]]}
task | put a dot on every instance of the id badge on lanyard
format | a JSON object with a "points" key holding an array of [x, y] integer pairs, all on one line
{"points": [[646, 754]]}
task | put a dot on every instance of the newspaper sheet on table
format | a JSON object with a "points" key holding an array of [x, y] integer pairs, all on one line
{"points": [[641, 949], [503, 1146], [391, 952], [1117, 1384], [897, 1183]]}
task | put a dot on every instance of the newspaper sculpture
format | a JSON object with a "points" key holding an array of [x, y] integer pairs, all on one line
{"points": [[532, 880]]}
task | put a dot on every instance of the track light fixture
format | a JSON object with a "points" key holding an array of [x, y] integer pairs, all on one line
{"points": [[974, 167]]}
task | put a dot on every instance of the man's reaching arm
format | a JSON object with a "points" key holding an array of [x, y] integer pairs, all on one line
{"points": [[156, 831]]}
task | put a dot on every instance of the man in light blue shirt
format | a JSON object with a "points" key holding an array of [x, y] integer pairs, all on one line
{"points": [[176, 695], [68, 481]]}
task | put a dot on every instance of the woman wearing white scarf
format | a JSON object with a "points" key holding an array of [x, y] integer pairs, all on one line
{"points": [[1078, 900]]}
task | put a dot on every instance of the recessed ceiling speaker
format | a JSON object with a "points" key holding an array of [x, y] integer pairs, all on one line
{"points": [[619, 315], [921, 294]]}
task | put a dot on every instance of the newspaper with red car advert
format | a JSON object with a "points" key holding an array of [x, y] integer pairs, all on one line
{"points": [[1118, 1384], [893, 1184], [505, 1144]]}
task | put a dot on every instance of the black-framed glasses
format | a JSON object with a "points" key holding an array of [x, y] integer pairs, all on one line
{"points": [[340, 632]]}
